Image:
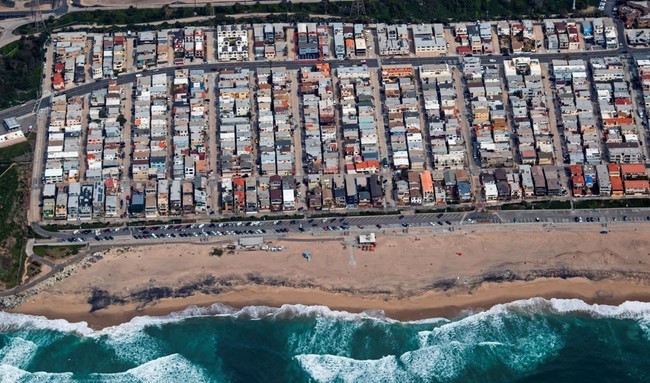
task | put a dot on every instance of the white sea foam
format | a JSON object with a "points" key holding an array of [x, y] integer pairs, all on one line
{"points": [[289, 311], [627, 310], [11, 374], [326, 336], [497, 336], [12, 322], [170, 368], [441, 363], [18, 352], [444, 362], [525, 342], [491, 344], [437, 363], [330, 368], [166, 369], [645, 328], [428, 321]]}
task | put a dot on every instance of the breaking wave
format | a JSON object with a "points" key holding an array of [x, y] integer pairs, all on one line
{"points": [[297, 343], [162, 370]]}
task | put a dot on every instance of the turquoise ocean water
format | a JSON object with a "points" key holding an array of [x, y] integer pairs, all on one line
{"points": [[534, 340]]}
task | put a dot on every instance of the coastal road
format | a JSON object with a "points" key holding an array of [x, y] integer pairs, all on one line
{"points": [[445, 221]]}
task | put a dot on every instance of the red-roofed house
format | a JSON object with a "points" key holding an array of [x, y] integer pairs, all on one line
{"points": [[617, 186], [463, 50], [614, 170], [578, 183], [369, 166], [58, 83], [637, 187], [633, 171]]}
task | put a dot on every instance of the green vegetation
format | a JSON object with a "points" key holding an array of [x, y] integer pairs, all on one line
{"points": [[13, 193], [537, 205], [33, 269], [57, 252], [10, 49], [154, 222], [612, 203], [21, 68], [167, 14], [217, 252], [448, 209], [14, 151], [262, 218], [355, 214], [432, 10], [376, 10]]}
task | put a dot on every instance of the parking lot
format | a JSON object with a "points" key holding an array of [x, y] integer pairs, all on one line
{"points": [[346, 225]]}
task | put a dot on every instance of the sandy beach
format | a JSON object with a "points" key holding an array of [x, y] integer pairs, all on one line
{"points": [[414, 276]]}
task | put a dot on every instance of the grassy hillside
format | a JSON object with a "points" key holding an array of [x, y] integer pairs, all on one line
{"points": [[14, 193], [21, 68], [376, 10]]}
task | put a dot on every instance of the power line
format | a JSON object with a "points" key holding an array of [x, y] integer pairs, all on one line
{"points": [[39, 23], [358, 9]]}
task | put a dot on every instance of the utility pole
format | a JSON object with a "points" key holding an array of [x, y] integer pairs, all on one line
{"points": [[39, 23], [358, 9]]}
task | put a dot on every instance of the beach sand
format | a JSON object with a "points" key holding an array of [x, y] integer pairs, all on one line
{"points": [[410, 276]]}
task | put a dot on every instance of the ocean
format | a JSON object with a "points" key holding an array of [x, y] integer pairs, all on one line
{"points": [[534, 340]]}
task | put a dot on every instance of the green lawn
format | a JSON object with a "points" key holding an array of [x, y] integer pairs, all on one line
{"points": [[10, 49]]}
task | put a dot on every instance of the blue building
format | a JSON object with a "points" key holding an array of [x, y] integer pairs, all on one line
{"points": [[587, 30]]}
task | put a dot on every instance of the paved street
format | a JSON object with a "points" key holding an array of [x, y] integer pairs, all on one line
{"points": [[601, 220], [372, 63], [446, 221]]}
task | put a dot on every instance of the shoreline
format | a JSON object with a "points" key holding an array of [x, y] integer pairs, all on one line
{"points": [[433, 304], [409, 277]]}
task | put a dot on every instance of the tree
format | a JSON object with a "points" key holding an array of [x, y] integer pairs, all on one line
{"points": [[121, 119], [208, 9], [167, 11], [324, 4], [238, 8]]}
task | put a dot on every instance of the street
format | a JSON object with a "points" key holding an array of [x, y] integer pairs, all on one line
{"points": [[599, 219]]}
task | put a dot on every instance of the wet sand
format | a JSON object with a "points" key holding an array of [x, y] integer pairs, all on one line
{"points": [[413, 276]]}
